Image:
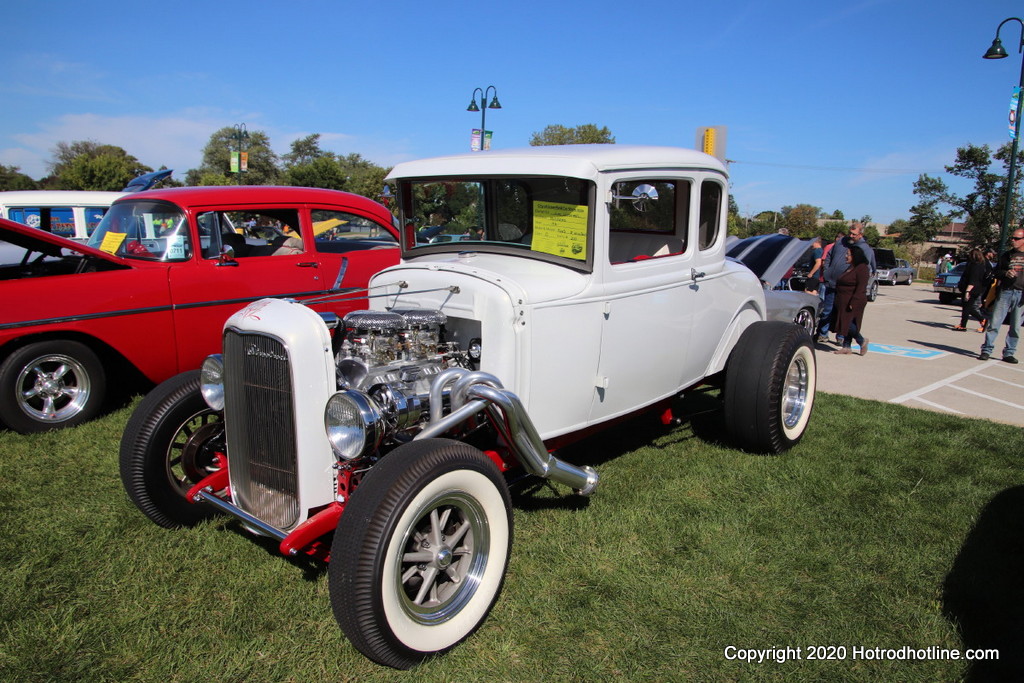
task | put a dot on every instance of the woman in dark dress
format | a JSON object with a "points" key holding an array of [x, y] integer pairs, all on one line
{"points": [[972, 286], [851, 298]]}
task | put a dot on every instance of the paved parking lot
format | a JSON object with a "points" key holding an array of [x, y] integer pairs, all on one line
{"points": [[915, 359]]}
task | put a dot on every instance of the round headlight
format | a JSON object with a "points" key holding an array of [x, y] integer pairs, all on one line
{"points": [[211, 381], [353, 423]]}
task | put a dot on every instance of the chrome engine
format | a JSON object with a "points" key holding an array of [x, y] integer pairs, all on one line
{"points": [[403, 346], [394, 356]]}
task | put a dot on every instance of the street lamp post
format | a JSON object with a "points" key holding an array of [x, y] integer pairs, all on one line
{"points": [[240, 134], [997, 51], [482, 108]]}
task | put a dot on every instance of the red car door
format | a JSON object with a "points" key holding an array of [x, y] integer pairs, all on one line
{"points": [[271, 257]]}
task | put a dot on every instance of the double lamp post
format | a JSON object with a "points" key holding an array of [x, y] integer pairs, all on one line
{"points": [[482, 108]]}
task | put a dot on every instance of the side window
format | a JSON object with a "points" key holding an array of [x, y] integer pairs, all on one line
{"points": [[648, 219], [93, 216], [252, 232], [338, 231], [710, 213], [60, 220]]}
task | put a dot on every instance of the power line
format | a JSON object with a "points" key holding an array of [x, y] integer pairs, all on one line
{"points": [[892, 171]]}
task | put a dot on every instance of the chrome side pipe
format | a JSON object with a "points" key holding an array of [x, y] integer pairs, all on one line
{"points": [[476, 391]]}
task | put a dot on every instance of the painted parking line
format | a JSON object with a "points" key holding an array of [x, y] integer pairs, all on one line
{"points": [[904, 351], [941, 384], [950, 383]]}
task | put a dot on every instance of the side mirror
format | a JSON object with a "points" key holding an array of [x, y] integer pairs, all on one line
{"points": [[227, 256]]}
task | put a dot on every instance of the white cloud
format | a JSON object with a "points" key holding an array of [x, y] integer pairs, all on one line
{"points": [[172, 141], [175, 141]]}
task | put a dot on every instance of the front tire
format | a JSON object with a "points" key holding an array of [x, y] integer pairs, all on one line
{"points": [[420, 553], [50, 385], [769, 387], [169, 444]]}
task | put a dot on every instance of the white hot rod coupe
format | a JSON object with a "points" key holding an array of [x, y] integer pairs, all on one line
{"points": [[588, 283]]}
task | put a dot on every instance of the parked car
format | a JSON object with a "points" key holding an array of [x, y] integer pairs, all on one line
{"points": [[152, 288], [776, 260], [600, 289], [892, 270], [948, 284], [73, 214]]}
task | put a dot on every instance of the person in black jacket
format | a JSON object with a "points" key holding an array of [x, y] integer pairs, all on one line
{"points": [[1007, 306], [973, 285]]}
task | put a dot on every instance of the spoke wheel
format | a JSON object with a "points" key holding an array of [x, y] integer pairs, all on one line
{"points": [[419, 555], [169, 444]]}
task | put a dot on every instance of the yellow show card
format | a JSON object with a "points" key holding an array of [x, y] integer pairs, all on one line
{"points": [[560, 229], [112, 241]]}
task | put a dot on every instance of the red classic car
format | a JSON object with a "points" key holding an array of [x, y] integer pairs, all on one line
{"points": [[147, 296]]}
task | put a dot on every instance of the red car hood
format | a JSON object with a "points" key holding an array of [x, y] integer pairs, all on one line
{"points": [[41, 241]]}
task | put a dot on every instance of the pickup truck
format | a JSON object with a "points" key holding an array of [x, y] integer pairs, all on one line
{"points": [[387, 439]]}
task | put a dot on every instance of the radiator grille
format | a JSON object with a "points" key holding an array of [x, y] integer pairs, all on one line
{"points": [[260, 423]]}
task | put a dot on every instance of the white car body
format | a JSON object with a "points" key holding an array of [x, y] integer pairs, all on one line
{"points": [[600, 288], [636, 332], [84, 208]]}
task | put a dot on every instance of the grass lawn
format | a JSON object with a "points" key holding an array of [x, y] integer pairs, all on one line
{"points": [[887, 527]]}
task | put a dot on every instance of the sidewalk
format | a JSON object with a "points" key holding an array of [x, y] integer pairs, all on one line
{"points": [[915, 359]]}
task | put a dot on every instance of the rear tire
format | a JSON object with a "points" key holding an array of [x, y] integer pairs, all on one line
{"points": [[420, 553], [169, 444], [769, 387]]}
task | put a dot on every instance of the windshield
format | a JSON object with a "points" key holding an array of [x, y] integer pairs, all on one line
{"points": [[145, 230], [548, 218]]}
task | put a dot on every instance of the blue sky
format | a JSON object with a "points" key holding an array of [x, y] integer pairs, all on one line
{"points": [[836, 104]]}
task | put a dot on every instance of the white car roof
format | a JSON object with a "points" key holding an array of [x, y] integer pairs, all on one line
{"points": [[41, 198], [574, 161]]}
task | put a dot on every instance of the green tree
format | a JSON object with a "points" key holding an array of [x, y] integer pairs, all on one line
{"points": [[305, 151], [216, 166], [801, 220], [320, 172], [11, 178], [89, 165], [584, 134], [926, 220], [832, 229], [363, 177], [984, 205]]}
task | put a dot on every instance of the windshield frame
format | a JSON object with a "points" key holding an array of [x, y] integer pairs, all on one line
{"points": [[411, 217], [180, 232]]}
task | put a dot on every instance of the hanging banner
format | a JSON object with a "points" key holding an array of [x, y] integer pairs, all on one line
{"points": [[1013, 112], [474, 141], [234, 162]]}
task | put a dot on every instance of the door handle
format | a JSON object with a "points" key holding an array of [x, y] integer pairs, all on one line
{"points": [[308, 264], [696, 274]]}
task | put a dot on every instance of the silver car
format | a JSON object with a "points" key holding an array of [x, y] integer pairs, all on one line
{"points": [[773, 259], [892, 270]]}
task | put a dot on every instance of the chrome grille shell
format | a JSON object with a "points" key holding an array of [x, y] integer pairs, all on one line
{"points": [[259, 416], [278, 375]]}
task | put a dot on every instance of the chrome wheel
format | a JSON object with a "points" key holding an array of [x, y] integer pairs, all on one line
{"points": [[53, 388], [443, 556], [795, 390], [805, 319]]}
